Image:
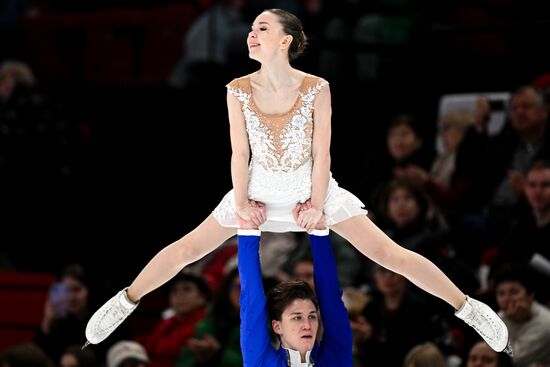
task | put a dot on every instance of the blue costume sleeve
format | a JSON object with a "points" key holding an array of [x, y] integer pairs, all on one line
{"points": [[336, 346], [255, 340]]}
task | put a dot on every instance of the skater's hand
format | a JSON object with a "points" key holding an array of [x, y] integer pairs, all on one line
{"points": [[205, 348], [252, 215], [308, 217]]}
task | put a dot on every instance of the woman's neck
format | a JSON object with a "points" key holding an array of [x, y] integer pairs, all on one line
{"points": [[277, 75]]}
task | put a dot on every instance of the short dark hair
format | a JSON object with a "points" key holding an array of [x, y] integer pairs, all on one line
{"points": [[530, 88], [196, 279], [284, 293], [515, 272], [539, 164], [293, 27]]}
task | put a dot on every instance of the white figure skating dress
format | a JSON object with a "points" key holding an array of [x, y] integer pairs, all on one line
{"points": [[281, 162]]}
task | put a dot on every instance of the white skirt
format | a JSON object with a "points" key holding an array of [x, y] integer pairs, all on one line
{"points": [[340, 205]]}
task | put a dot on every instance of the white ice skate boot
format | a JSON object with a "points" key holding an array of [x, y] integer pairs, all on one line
{"points": [[487, 323], [108, 317]]}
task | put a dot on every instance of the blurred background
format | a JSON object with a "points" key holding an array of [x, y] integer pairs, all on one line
{"points": [[124, 156]]}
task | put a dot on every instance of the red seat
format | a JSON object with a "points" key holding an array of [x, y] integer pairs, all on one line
{"points": [[22, 296]]}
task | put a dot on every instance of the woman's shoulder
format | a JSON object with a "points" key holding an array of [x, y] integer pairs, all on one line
{"points": [[242, 82], [315, 82]]}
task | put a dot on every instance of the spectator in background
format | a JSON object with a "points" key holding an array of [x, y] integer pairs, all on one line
{"points": [[425, 355], [451, 181], [513, 151], [216, 342], [38, 147], [528, 238], [392, 308], [410, 218], [404, 148], [75, 356], [34, 130], [216, 37], [527, 320], [25, 355], [127, 353], [303, 270], [482, 355], [65, 314], [188, 299]]}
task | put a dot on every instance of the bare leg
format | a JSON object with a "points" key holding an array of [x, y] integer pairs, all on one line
{"points": [[171, 259], [376, 245]]}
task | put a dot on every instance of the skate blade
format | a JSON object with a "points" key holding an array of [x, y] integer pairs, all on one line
{"points": [[508, 350]]}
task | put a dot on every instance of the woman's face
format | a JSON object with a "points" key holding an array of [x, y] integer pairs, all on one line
{"points": [[514, 300], [77, 295], [402, 207], [267, 39], [481, 355], [402, 142], [298, 326], [185, 297], [388, 282]]}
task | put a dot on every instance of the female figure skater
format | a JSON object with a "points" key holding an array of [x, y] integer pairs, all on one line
{"points": [[293, 310], [280, 118]]}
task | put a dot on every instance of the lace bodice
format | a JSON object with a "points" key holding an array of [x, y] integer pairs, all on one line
{"points": [[279, 143], [280, 170]]}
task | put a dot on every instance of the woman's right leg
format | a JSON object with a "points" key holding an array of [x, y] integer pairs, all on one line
{"points": [[162, 267], [171, 259]]}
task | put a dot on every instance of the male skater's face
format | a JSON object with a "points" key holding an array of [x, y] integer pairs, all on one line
{"points": [[298, 325]]}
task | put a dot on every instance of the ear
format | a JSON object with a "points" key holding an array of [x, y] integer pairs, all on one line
{"points": [[276, 325], [287, 41]]}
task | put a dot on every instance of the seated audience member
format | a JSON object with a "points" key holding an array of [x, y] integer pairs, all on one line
{"points": [[392, 308], [188, 297], [410, 218], [511, 152], [425, 355], [527, 320], [216, 342], [404, 148], [451, 181], [66, 312], [25, 355], [127, 353], [75, 356], [528, 239], [482, 355]]}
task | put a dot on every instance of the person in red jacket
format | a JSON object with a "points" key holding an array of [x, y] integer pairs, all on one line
{"points": [[188, 299]]}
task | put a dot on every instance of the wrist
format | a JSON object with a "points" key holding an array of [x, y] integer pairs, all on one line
{"points": [[316, 206], [241, 206]]}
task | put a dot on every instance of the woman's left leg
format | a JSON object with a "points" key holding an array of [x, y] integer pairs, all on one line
{"points": [[370, 240]]}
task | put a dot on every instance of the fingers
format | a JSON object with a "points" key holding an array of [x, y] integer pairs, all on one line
{"points": [[309, 219]]}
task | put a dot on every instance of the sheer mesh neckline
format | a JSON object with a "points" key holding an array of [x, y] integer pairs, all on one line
{"points": [[277, 115]]}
